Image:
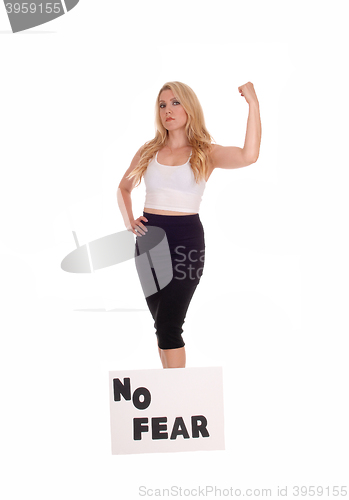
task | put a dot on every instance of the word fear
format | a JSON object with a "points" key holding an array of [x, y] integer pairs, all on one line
{"points": [[159, 427]]}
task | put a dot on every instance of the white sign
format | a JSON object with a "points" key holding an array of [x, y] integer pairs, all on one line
{"points": [[166, 410]]}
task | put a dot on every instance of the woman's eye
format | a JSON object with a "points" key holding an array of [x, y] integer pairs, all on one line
{"points": [[174, 102]]}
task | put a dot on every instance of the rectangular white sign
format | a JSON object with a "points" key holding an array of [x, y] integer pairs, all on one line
{"points": [[166, 410]]}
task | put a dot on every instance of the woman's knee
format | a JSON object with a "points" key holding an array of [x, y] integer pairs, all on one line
{"points": [[170, 338]]}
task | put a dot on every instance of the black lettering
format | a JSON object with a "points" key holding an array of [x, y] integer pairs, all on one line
{"points": [[141, 405], [156, 427], [197, 428], [123, 389], [138, 428], [179, 429]]}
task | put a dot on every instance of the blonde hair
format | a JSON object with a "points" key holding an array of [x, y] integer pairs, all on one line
{"points": [[195, 128]]}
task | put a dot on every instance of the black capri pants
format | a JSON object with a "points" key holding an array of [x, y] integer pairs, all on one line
{"points": [[173, 246]]}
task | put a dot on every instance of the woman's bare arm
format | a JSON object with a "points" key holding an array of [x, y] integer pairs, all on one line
{"points": [[124, 196], [235, 157]]}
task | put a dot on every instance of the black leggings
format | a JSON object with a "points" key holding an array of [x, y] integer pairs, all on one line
{"points": [[178, 244]]}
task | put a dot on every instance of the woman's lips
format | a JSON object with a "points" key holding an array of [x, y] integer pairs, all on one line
{"points": [[168, 119]]}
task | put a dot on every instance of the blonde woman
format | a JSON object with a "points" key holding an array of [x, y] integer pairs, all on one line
{"points": [[176, 165]]}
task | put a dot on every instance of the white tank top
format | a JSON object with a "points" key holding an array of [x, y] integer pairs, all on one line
{"points": [[172, 187]]}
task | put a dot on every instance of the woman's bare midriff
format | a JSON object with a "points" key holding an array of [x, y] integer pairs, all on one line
{"points": [[165, 212]]}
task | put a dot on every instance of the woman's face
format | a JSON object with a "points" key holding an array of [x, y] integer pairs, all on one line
{"points": [[172, 113]]}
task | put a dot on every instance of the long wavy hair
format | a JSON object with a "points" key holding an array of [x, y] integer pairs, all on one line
{"points": [[197, 134]]}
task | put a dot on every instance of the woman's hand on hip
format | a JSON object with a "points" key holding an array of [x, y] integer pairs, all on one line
{"points": [[137, 227]]}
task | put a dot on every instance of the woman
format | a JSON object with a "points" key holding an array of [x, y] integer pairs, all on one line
{"points": [[176, 166]]}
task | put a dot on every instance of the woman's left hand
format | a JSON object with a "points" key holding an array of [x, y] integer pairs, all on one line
{"points": [[247, 91]]}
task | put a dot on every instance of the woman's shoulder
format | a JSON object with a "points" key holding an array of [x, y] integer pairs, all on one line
{"points": [[215, 151], [213, 148], [140, 152]]}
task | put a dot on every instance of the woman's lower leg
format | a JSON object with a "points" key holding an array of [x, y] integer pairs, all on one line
{"points": [[173, 358], [161, 357]]}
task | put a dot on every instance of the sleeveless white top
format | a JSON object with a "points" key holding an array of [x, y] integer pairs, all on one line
{"points": [[172, 187]]}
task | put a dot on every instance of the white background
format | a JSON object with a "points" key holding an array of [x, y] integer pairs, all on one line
{"points": [[77, 101]]}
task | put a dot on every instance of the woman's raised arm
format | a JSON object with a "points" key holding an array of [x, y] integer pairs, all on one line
{"points": [[235, 157]]}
